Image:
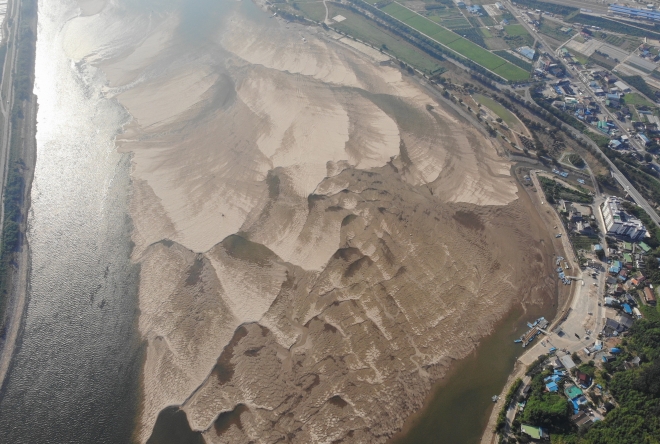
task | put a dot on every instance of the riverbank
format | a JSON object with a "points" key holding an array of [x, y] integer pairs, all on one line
{"points": [[459, 407], [19, 149], [551, 220]]}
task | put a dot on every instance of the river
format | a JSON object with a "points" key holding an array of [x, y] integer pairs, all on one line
{"points": [[457, 410], [74, 378]]}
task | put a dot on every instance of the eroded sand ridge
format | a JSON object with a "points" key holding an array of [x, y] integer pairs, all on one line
{"points": [[318, 238]]}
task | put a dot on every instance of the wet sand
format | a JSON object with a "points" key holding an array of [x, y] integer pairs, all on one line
{"points": [[317, 244]]}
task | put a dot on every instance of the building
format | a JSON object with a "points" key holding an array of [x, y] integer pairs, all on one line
{"points": [[582, 420], [567, 361], [649, 297], [622, 86], [527, 52], [474, 9], [619, 222], [644, 14], [534, 432], [612, 327]]}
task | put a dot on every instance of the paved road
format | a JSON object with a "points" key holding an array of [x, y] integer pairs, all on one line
{"points": [[7, 101]]}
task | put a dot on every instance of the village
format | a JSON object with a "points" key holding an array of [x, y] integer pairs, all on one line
{"points": [[571, 357]]}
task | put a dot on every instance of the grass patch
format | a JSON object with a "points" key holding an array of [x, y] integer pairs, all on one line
{"points": [[477, 54], [456, 23], [553, 31], [488, 21], [512, 72], [515, 30], [426, 26], [398, 11], [584, 242], [515, 60], [497, 108], [315, 11], [636, 99], [584, 60], [485, 33]]}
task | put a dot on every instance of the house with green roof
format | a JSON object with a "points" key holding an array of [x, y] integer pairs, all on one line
{"points": [[645, 248], [627, 259], [627, 246], [572, 391], [534, 432]]}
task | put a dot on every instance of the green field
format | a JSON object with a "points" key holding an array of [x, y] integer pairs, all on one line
{"points": [[461, 45], [399, 12], [514, 30], [426, 26], [315, 11], [515, 60], [512, 72], [486, 33], [498, 109], [478, 54], [456, 23], [636, 99], [488, 21], [367, 31]]}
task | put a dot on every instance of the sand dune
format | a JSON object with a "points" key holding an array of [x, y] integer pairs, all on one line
{"points": [[316, 243]]}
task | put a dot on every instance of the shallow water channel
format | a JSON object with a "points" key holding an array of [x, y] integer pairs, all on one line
{"points": [[458, 409]]}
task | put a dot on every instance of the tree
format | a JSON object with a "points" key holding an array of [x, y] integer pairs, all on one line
{"points": [[548, 410]]}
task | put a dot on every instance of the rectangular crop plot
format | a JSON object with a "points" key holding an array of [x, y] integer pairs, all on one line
{"points": [[477, 54], [456, 24], [485, 33], [454, 41], [399, 12], [422, 24], [514, 30], [512, 72]]}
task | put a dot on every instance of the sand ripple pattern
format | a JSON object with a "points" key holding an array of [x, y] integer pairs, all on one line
{"points": [[316, 243]]}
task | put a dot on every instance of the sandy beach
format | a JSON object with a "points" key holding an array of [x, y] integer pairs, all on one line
{"points": [[318, 238]]}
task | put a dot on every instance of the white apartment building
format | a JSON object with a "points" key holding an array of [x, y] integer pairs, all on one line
{"points": [[619, 222]]}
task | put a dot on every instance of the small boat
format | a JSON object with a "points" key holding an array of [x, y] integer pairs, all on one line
{"points": [[518, 341], [495, 398], [530, 325]]}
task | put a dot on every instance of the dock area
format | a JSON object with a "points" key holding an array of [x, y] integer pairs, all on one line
{"points": [[535, 329]]}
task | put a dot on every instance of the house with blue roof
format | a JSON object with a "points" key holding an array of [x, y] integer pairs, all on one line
{"points": [[527, 52]]}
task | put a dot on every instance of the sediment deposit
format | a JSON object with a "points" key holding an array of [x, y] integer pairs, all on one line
{"points": [[318, 238]]}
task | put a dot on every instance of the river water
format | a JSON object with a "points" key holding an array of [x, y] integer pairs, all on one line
{"points": [[74, 378]]}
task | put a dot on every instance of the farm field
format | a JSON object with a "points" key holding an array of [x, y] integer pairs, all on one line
{"points": [[514, 30], [367, 31], [399, 12], [512, 72], [458, 44], [456, 23]]}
